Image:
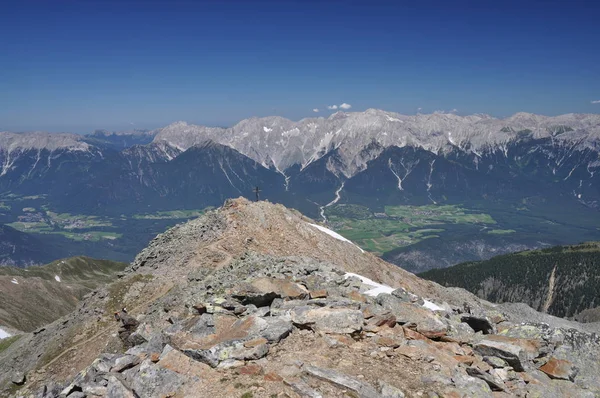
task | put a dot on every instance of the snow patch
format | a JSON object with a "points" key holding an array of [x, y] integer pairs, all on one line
{"points": [[16, 282], [267, 130], [4, 334], [433, 307], [57, 278], [334, 235], [393, 119], [378, 288]]}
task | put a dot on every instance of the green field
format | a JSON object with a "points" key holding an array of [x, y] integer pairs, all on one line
{"points": [[174, 214], [399, 226]]}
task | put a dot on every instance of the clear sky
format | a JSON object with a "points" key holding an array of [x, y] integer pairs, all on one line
{"points": [[81, 65]]}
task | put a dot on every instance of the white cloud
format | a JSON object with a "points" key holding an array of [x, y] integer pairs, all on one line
{"points": [[316, 110], [596, 102], [454, 110], [332, 107], [419, 109], [345, 106]]}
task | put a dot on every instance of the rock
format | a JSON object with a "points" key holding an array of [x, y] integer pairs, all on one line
{"points": [[495, 361], [262, 291], [517, 352], [302, 389], [321, 293], [479, 324], [229, 350], [272, 328], [116, 388], [495, 384], [339, 379], [389, 391], [559, 369], [328, 320], [94, 390], [18, 378], [413, 316], [152, 380], [124, 362]]}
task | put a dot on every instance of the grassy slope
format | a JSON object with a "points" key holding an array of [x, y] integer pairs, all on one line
{"points": [[39, 298]]}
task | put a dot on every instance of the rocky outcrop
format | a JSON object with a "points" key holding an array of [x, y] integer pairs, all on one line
{"points": [[266, 325]]}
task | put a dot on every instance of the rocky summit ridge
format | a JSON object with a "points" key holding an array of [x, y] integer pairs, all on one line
{"points": [[254, 300]]}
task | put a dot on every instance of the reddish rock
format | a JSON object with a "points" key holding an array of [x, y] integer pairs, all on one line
{"points": [[251, 369], [388, 320], [559, 369], [356, 296], [255, 342], [387, 341], [321, 293], [272, 376], [413, 335], [464, 359], [154, 357]]}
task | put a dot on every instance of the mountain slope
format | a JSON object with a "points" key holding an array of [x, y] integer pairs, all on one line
{"points": [[253, 299], [39, 295], [562, 281]]}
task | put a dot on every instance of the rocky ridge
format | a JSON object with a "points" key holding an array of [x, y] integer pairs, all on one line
{"points": [[252, 300]]}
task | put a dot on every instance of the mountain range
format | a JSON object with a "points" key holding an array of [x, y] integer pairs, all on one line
{"points": [[530, 173]]}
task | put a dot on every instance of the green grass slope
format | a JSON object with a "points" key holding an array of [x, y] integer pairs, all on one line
{"points": [[562, 280]]}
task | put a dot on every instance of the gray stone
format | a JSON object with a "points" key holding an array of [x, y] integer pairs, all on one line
{"points": [[18, 378], [389, 391], [328, 320], [151, 380], [339, 379], [494, 383], [117, 389], [302, 389], [495, 361], [514, 354], [229, 350], [125, 362]]}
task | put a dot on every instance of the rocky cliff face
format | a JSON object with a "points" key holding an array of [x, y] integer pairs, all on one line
{"points": [[255, 300]]}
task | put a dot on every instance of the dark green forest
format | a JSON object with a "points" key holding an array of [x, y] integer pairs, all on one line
{"points": [[527, 277]]}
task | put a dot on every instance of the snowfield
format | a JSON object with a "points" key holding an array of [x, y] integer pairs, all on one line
{"points": [[15, 281], [379, 288], [57, 278], [335, 235], [4, 334]]}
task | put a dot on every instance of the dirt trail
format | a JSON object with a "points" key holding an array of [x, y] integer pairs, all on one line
{"points": [[111, 327]]}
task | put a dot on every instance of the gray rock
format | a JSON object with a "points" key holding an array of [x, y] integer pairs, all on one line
{"points": [[125, 362], [494, 383], [328, 320], [18, 378], [495, 362], [150, 380], [229, 350], [302, 389], [339, 379], [515, 355], [389, 391], [117, 389]]}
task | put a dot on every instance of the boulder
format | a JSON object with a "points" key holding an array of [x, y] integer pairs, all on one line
{"points": [[342, 380], [517, 352], [559, 369], [328, 320]]}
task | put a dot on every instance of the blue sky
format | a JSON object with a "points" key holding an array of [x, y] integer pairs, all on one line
{"points": [[81, 65]]}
